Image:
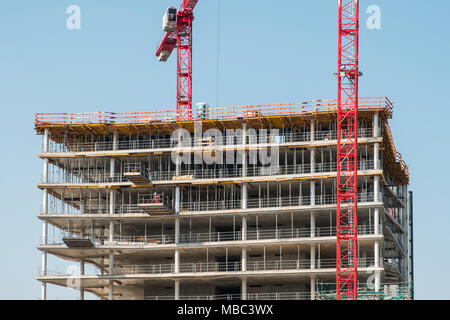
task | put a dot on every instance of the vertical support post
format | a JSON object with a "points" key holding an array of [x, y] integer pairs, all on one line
{"points": [[244, 195], [376, 188], [376, 220], [177, 289], [177, 222], [313, 287], [312, 187], [376, 125], [81, 274], [377, 265], [376, 146], [45, 211], [410, 242], [244, 260], [112, 164], [244, 153], [313, 131], [313, 160], [313, 224], [111, 273], [313, 256], [244, 288], [376, 156]]}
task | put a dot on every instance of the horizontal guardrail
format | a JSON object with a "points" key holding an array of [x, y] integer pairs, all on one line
{"points": [[103, 176], [199, 206], [249, 296], [202, 237], [215, 267], [222, 113]]}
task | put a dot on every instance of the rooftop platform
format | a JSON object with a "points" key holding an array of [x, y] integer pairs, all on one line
{"points": [[257, 116]]}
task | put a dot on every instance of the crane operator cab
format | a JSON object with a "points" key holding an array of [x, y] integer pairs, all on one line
{"points": [[170, 19]]}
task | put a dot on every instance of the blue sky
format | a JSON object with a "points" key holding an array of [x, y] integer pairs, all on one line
{"points": [[270, 52]]}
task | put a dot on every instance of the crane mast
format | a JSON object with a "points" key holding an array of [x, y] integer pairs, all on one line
{"points": [[347, 148], [181, 38]]}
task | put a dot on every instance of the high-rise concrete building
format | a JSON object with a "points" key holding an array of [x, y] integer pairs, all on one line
{"points": [[238, 203]]}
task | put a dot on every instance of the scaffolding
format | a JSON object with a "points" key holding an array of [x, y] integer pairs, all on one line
{"points": [[123, 193]]}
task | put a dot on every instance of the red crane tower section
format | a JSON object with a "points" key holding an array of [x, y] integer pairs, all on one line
{"points": [[181, 38], [347, 147]]}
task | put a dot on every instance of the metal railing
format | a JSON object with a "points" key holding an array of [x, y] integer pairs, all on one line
{"points": [[268, 202], [235, 266], [388, 291], [250, 296], [133, 167], [221, 113], [82, 178], [102, 176], [202, 237], [199, 206], [170, 142], [212, 267]]}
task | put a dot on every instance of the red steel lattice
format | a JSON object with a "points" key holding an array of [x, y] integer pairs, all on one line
{"points": [[181, 39], [347, 128]]}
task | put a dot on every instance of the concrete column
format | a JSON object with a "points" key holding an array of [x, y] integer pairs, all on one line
{"points": [[312, 186], [115, 140], [244, 196], [45, 140], [177, 226], [376, 125], [45, 211], [313, 224], [44, 272], [111, 273], [112, 171], [112, 164], [376, 156], [244, 260], [376, 220], [313, 160], [313, 256], [244, 156], [244, 288], [112, 167], [81, 274], [376, 188], [111, 231], [177, 229], [244, 228], [313, 130], [177, 261], [377, 265], [177, 188], [177, 289], [313, 287], [177, 200]]}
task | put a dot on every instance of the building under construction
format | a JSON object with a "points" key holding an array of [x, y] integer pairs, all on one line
{"points": [[235, 203]]}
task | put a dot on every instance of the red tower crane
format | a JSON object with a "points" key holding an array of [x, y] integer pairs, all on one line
{"points": [[347, 152], [178, 27]]}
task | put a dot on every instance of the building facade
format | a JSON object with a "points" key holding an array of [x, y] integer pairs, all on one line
{"points": [[237, 203]]}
